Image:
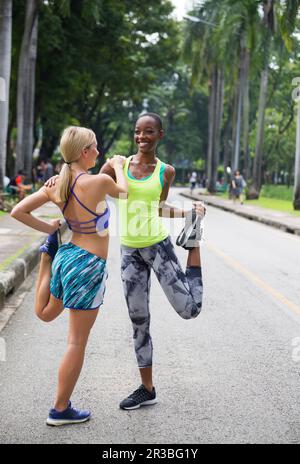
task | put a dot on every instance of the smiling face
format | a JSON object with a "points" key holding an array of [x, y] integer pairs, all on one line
{"points": [[147, 134]]}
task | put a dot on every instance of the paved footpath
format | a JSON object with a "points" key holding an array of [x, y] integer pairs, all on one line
{"points": [[15, 237], [19, 253]]}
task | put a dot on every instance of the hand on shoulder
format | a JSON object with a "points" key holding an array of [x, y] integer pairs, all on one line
{"points": [[116, 160]]}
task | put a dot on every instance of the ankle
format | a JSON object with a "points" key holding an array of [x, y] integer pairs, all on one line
{"points": [[60, 407], [148, 387]]}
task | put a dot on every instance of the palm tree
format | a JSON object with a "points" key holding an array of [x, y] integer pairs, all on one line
{"points": [[288, 24], [26, 73], [267, 33], [225, 53], [287, 21], [200, 50], [296, 202], [236, 38], [5, 66]]}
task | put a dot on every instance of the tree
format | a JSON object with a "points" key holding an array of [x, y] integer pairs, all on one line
{"points": [[296, 201], [268, 31], [204, 57], [5, 67], [287, 13], [105, 66], [26, 88]]}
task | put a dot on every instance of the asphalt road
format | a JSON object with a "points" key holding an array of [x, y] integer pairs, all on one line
{"points": [[229, 376]]}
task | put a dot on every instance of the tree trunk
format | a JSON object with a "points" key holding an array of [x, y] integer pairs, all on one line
{"points": [[236, 158], [26, 88], [269, 23], [227, 143], [297, 164], [254, 188], [5, 67], [170, 146], [219, 116], [211, 112], [246, 112], [234, 125], [215, 119], [242, 107]]}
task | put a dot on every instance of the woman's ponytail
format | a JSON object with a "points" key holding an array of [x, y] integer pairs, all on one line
{"points": [[65, 177], [73, 141]]}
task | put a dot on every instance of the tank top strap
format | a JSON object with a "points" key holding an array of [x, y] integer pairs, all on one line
{"points": [[76, 179], [72, 191]]}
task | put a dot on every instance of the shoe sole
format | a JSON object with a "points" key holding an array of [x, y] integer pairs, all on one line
{"points": [[145, 403], [58, 422]]}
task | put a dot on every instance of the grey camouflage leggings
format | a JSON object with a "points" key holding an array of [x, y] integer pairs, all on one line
{"points": [[183, 290]]}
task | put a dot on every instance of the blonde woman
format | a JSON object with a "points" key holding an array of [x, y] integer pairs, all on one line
{"points": [[73, 275]]}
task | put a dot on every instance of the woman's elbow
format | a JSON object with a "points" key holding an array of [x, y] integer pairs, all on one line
{"points": [[15, 213]]}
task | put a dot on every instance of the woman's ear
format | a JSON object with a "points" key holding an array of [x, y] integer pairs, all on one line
{"points": [[84, 152], [161, 134]]}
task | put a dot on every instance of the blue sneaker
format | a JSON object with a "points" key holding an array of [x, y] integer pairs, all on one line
{"points": [[51, 245], [68, 416]]}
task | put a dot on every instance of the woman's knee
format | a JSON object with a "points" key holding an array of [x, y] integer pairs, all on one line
{"points": [[45, 317], [191, 312]]}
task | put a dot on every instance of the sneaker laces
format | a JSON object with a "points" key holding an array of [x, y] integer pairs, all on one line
{"points": [[140, 393]]}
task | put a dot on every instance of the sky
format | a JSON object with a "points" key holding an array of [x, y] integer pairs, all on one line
{"points": [[182, 6]]}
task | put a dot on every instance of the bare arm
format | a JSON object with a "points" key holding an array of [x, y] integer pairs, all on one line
{"points": [[118, 189], [22, 212], [170, 211], [107, 169], [165, 209]]}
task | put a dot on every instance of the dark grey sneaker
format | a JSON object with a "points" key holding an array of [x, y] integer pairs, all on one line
{"points": [[140, 397], [192, 232]]}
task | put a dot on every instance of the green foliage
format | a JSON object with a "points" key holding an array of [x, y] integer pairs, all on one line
{"points": [[95, 61], [279, 192], [101, 62]]}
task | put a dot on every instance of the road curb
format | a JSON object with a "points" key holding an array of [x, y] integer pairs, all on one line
{"points": [[247, 214], [16, 273]]}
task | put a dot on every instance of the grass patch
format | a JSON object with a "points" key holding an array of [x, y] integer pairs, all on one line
{"points": [[8, 261], [279, 192], [2, 213], [284, 206]]}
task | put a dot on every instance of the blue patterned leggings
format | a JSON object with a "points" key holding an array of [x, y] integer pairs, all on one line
{"points": [[183, 290]]}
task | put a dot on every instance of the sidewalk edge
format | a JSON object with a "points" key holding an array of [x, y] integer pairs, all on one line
{"points": [[246, 214], [18, 271]]}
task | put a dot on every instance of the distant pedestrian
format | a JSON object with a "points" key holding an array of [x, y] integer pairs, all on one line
{"points": [[193, 181], [237, 187], [46, 170]]}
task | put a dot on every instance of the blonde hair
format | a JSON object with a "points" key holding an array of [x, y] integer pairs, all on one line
{"points": [[74, 139]]}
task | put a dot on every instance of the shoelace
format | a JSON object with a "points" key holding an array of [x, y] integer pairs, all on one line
{"points": [[139, 394], [75, 411]]}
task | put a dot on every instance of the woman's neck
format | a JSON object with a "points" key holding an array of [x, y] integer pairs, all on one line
{"points": [[79, 167], [145, 158]]}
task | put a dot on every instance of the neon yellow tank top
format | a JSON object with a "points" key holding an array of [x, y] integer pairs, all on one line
{"points": [[140, 224]]}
